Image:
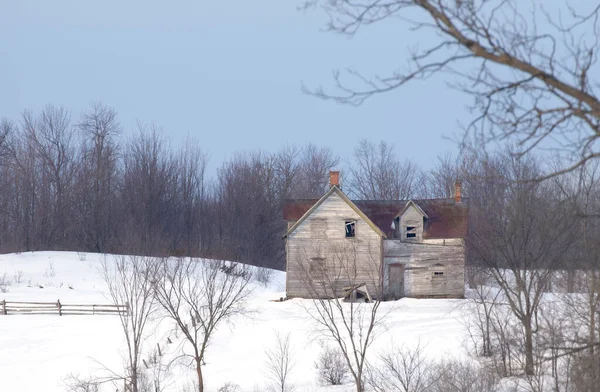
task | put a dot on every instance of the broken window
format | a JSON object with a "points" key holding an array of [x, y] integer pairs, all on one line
{"points": [[316, 270], [411, 232], [350, 228]]}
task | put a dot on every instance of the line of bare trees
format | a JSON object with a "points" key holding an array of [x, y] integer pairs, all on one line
{"points": [[533, 252], [79, 184]]}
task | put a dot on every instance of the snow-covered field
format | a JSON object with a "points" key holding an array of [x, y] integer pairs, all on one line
{"points": [[37, 352]]}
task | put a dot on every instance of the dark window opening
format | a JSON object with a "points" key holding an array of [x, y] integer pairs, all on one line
{"points": [[411, 232], [350, 229], [438, 274]]}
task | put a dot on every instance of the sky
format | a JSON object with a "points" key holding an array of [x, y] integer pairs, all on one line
{"points": [[226, 72]]}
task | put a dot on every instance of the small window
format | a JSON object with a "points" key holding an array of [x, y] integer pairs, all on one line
{"points": [[411, 232], [350, 229], [437, 274]]}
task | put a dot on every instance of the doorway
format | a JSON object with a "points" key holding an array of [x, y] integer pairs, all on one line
{"points": [[396, 278]]}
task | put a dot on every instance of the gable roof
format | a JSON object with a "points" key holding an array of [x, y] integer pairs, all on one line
{"points": [[446, 218], [307, 207], [407, 205]]}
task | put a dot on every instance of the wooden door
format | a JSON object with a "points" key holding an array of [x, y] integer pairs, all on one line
{"points": [[396, 275]]}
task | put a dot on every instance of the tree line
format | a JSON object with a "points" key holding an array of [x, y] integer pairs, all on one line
{"points": [[78, 184]]}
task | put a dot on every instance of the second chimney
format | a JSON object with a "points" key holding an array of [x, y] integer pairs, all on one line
{"points": [[457, 192], [334, 178]]}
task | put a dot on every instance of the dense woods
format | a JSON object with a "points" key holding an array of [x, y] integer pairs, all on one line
{"points": [[77, 183], [80, 184]]}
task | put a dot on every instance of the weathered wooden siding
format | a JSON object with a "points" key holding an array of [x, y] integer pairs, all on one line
{"points": [[421, 261], [444, 241], [322, 235], [411, 217]]}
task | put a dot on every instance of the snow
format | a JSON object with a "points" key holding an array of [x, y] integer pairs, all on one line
{"points": [[38, 352]]}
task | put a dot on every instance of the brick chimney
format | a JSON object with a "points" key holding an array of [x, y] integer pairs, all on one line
{"points": [[457, 191], [334, 178]]}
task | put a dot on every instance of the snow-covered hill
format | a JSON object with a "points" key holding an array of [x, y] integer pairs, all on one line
{"points": [[37, 352]]}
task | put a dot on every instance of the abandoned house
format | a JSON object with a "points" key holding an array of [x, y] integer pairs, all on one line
{"points": [[397, 248]]}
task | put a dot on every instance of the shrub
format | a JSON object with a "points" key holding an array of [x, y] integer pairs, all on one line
{"points": [[331, 366], [229, 387], [264, 276], [457, 376], [18, 276], [4, 283]]}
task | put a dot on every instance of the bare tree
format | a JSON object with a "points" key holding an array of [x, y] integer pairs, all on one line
{"points": [[53, 138], [249, 204], [147, 193], [130, 282], [530, 68], [331, 366], [98, 174], [24, 176], [457, 376], [403, 369], [441, 179], [378, 174], [329, 272], [573, 337], [76, 383], [199, 296], [279, 364], [288, 172], [192, 192], [479, 310], [7, 130], [520, 238], [315, 164]]}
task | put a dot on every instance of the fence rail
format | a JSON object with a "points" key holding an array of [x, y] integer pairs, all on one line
{"points": [[19, 307]]}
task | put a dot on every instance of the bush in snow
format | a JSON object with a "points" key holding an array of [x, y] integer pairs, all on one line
{"points": [[264, 276], [331, 366], [75, 383], [407, 369], [458, 376], [50, 270], [229, 387], [4, 283], [18, 276], [403, 369]]}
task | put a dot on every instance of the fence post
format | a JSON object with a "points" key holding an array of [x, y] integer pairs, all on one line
{"points": [[59, 307], [4, 307], [93, 310]]}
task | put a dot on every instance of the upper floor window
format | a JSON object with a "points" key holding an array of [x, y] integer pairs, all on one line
{"points": [[350, 228], [411, 232]]}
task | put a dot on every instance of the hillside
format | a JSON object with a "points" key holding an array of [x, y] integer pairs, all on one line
{"points": [[38, 352]]}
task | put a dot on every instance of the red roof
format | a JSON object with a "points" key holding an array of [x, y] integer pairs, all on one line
{"points": [[447, 219]]}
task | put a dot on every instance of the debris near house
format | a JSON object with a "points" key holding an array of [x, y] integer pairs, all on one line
{"points": [[357, 293]]}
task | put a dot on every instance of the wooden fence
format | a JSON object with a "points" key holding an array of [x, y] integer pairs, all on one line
{"points": [[17, 307]]}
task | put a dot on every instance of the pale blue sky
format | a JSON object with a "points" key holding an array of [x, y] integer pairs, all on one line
{"points": [[228, 72]]}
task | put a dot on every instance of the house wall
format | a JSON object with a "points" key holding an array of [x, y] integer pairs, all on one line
{"points": [[348, 260], [411, 217], [421, 261]]}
